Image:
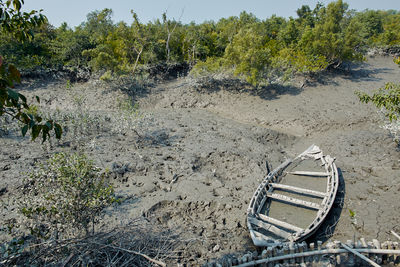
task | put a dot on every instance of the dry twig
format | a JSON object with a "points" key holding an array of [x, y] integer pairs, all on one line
{"points": [[134, 252]]}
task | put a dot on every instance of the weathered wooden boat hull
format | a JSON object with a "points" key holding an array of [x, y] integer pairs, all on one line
{"points": [[279, 196]]}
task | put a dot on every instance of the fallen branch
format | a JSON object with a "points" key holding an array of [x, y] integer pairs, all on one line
{"points": [[131, 244], [67, 260], [134, 252]]}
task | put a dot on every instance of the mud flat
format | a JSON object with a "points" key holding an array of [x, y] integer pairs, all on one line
{"points": [[200, 154]]}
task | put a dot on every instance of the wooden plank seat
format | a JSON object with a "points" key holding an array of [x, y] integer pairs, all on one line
{"points": [[280, 223], [269, 221], [308, 173], [299, 190], [295, 201], [270, 227]]}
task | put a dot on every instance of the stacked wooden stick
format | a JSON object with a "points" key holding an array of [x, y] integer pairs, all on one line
{"points": [[336, 253]]}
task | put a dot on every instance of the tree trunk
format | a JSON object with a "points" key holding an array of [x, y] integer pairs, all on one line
{"points": [[137, 60]]}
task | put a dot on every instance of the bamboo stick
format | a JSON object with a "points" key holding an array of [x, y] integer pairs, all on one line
{"points": [[319, 247], [264, 254], [395, 234], [396, 257], [358, 244], [350, 256], [338, 256], [301, 250], [297, 247], [384, 246], [364, 244], [378, 258], [285, 250], [312, 248], [355, 252], [331, 245], [390, 257], [319, 252]]}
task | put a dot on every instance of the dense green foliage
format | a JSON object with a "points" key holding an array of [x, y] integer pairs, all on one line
{"points": [[16, 29], [316, 39], [387, 97]]}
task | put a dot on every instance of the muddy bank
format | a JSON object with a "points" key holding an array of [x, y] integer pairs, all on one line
{"points": [[191, 159]]}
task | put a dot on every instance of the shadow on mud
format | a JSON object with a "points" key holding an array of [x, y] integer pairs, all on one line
{"points": [[354, 72], [235, 85], [156, 139], [273, 91], [327, 228]]}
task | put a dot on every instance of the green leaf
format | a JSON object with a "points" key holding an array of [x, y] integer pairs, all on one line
{"points": [[38, 119], [31, 122], [17, 5], [15, 75], [49, 125], [352, 213], [35, 131], [24, 130], [25, 119], [45, 133], [22, 97], [13, 95], [58, 130]]}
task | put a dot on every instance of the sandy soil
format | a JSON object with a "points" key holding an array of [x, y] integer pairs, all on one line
{"points": [[201, 153]]}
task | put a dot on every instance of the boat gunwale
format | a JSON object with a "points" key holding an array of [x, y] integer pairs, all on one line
{"points": [[260, 197]]}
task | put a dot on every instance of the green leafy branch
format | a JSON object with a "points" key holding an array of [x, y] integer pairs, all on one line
{"points": [[387, 97], [21, 25], [15, 105]]}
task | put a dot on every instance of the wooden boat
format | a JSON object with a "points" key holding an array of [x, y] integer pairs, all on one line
{"points": [[294, 199]]}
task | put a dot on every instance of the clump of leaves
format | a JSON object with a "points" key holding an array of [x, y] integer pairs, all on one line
{"points": [[20, 25], [211, 66], [107, 76], [15, 105], [387, 97], [397, 60], [66, 195], [300, 62], [353, 218]]}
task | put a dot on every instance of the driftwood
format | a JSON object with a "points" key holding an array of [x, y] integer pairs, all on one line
{"points": [[266, 230], [296, 254]]}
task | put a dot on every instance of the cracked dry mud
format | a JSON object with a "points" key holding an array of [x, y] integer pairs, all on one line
{"points": [[202, 152]]}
